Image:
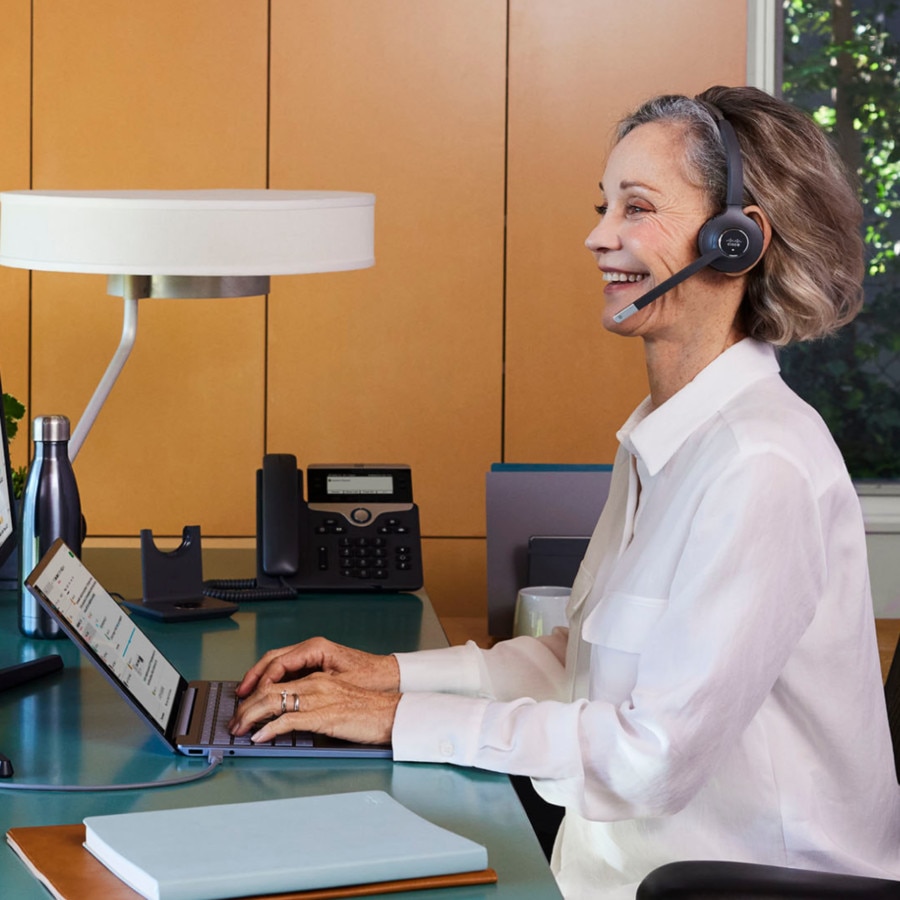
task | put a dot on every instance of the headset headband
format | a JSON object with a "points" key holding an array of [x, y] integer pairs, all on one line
{"points": [[734, 166]]}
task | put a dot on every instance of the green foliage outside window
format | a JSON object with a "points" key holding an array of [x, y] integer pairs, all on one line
{"points": [[841, 61]]}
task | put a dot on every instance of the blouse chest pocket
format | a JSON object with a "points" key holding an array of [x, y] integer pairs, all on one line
{"points": [[622, 621], [617, 630]]}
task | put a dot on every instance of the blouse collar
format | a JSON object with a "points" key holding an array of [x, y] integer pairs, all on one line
{"points": [[654, 435]]}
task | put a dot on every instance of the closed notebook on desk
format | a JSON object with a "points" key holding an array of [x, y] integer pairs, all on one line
{"points": [[330, 846]]}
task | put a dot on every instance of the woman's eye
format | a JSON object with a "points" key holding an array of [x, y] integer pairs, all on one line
{"points": [[630, 209]]}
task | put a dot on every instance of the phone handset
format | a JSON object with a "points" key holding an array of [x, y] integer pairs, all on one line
{"points": [[278, 528], [279, 507]]}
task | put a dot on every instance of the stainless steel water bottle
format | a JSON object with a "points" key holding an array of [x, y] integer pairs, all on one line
{"points": [[51, 509]]}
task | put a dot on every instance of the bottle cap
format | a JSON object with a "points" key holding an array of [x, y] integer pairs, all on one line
{"points": [[50, 428]]}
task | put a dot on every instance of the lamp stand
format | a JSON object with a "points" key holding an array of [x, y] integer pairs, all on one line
{"points": [[132, 288], [133, 292]]}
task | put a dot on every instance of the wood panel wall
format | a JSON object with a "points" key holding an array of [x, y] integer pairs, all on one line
{"points": [[481, 126]]}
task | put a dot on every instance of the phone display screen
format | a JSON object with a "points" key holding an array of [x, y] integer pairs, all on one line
{"points": [[359, 484], [375, 485]]}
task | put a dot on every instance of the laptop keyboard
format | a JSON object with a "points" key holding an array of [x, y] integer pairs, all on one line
{"points": [[220, 709]]}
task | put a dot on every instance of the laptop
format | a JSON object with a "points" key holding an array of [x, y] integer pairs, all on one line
{"points": [[191, 717], [8, 525]]}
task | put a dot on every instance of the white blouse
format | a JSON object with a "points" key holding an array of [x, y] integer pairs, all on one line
{"points": [[718, 692]]}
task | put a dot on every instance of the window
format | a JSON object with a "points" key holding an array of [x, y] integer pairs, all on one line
{"points": [[840, 63]]}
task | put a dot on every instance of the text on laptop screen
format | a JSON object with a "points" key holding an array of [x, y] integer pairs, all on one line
{"points": [[7, 520], [109, 631]]}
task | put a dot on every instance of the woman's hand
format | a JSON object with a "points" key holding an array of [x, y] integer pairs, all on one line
{"points": [[325, 704], [345, 693]]}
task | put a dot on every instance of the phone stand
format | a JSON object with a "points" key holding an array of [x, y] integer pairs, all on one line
{"points": [[173, 582]]}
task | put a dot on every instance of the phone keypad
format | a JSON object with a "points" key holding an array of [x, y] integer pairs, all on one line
{"points": [[383, 551], [372, 557]]}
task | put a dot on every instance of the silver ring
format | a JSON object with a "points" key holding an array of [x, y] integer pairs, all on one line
{"points": [[283, 702], [296, 703]]}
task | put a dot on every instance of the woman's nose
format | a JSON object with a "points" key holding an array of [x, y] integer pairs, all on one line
{"points": [[602, 237]]}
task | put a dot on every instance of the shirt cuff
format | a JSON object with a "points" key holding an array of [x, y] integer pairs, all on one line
{"points": [[438, 728], [453, 670]]}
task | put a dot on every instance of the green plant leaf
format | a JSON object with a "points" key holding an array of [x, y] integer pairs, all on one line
{"points": [[13, 411]]}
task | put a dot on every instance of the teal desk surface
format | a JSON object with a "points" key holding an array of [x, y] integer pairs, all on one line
{"points": [[72, 728]]}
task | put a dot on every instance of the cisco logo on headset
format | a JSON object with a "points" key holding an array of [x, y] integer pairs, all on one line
{"points": [[734, 243]]}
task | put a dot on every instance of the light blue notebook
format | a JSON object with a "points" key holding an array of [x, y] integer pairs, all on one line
{"points": [[276, 846]]}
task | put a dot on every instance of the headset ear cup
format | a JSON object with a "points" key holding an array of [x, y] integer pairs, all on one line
{"points": [[736, 236]]}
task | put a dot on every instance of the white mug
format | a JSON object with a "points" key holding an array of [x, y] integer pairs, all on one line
{"points": [[540, 609]]}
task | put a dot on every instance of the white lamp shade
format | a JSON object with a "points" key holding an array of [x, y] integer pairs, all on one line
{"points": [[206, 233]]}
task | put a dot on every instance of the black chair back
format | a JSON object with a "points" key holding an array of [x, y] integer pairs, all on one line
{"points": [[892, 697]]}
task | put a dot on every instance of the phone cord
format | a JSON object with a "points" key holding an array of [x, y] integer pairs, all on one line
{"points": [[237, 589]]}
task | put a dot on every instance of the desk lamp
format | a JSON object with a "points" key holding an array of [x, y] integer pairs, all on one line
{"points": [[181, 244]]}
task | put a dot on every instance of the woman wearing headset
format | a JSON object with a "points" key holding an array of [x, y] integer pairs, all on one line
{"points": [[710, 695]]}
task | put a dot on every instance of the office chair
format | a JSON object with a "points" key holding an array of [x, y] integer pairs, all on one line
{"points": [[715, 880]]}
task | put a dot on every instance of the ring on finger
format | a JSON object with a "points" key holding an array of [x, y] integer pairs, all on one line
{"points": [[284, 702], [296, 703]]}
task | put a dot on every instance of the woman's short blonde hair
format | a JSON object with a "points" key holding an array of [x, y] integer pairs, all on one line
{"points": [[809, 281]]}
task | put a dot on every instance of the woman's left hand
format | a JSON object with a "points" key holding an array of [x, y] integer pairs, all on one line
{"points": [[321, 703]]}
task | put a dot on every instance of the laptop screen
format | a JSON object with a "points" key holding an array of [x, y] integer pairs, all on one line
{"points": [[7, 500], [95, 621]]}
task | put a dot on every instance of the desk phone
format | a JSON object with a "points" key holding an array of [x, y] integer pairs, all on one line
{"points": [[357, 530]]}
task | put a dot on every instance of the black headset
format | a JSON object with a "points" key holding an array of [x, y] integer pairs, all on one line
{"points": [[736, 236], [728, 242]]}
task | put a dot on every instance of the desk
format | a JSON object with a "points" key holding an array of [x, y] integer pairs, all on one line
{"points": [[90, 735]]}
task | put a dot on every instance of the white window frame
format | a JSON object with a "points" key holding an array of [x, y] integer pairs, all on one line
{"points": [[764, 45]]}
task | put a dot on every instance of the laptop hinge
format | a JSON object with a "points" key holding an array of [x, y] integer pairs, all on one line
{"points": [[184, 714]]}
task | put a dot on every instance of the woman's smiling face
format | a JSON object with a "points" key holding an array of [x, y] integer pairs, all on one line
{"points": [[650, 216]]}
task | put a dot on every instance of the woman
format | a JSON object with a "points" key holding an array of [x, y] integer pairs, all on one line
{"points": [[720, 667]]}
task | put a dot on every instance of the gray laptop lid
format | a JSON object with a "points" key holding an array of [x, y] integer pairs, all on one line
{"points": [[135, 667]]}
